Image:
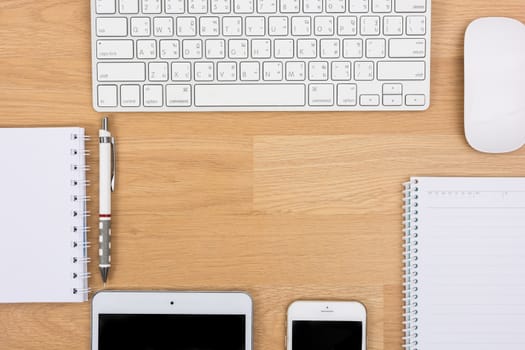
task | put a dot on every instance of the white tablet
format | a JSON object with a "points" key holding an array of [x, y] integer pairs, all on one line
{"points": [[171, 320]]}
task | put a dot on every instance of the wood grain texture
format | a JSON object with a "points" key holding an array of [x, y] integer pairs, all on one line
{"points": [[283, 205]]}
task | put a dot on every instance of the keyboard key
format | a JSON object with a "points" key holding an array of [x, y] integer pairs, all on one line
{"points": [[107, 95], [249, 95], [301, 26], [346, 94], [324, 25], [150, 6], [320, 94], [232, 26], [341, 70], [152, 95], [220, 6], [226, 71], [416, 25], [364, 70], [370, 25], [335, 6], [215, 48], [410, 5], [358, 6], [283, 48], [375, 48], [330, 48], [203, 71], [116, 49], [158, 71], [116, 26], [163, 26], [250, 71], [392, 25], [266, 6], [169, 49], [130, 95], [278, 26], [295, 71], [392, 89], [197, 6], [146, 49], [306, 48], [415, 100], [209, 26], [272, 71], [381, 6], [243, 6], [352, 48], [238, 48], [174, 6], [399, 70], [178, 95], [346, 25], [186, 26], [255, 26], [192, 48], [392, 100], [406, 48], [318, 70], [181, 71], [289, 6], [120, 71], [105, 6], [261, 48], [140, 26], [128, 6], [369, 100], [312, 6]]}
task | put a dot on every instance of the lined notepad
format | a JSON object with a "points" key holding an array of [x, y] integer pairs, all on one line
{"points": [[43, 255], [465, 263]]}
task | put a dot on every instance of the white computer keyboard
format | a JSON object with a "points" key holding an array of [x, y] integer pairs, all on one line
{"points": [[202, 55]]}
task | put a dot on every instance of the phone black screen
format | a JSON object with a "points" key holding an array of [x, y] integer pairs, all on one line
{"points": [[327, 335], [174, 332]]}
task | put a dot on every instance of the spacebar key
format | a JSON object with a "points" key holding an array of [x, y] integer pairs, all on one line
{"points": [[240, 95]]}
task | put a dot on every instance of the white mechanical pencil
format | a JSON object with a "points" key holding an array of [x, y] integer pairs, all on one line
{"points": [[106, 186]]}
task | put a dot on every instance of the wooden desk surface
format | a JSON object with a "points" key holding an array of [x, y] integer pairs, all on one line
{"points": [[285, 206]]}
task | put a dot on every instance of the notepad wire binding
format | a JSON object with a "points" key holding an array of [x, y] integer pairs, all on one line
{"points": [[410, 268], [79, 213]]}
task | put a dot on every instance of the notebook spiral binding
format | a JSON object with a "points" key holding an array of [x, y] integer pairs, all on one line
{"points": [[79, 215], [410, 268]]}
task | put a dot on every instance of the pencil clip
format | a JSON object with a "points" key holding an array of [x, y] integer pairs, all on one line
{"points": [[113, 164]]}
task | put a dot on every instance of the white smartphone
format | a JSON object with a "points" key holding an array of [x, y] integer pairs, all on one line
{"points": [[326, 325]]}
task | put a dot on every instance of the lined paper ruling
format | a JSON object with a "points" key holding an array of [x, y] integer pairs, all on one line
{"points": [[465, 263]]}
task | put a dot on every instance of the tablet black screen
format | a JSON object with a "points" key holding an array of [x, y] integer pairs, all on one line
{"points": [[174, 332]]}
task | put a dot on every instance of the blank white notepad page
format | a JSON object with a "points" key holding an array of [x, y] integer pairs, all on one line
{"points": [[471, 263], [42, 225]]}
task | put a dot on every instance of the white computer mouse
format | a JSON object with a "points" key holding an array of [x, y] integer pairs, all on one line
{"points": [[495, 84]]}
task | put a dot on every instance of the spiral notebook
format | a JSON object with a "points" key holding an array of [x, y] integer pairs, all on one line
{"points": [[43, 246], [464, 263]]}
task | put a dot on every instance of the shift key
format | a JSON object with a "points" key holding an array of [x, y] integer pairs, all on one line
{"points": [[118, 71]]}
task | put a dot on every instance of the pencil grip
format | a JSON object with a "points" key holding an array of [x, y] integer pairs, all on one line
{"points": [[104, 251]]}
